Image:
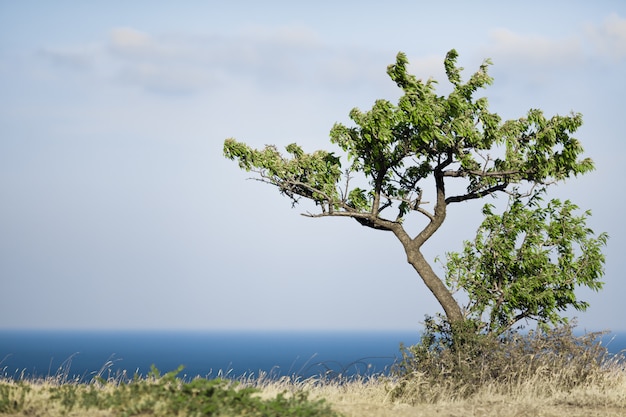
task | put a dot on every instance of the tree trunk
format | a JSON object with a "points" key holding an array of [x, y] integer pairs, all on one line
{"points": [[435, 285], [416, 259]]}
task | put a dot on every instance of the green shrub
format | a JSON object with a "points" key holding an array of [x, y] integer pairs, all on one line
{"points": [[168, 395]]}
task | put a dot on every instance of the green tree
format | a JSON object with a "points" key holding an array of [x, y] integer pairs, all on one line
{"points": [[421, 144]]}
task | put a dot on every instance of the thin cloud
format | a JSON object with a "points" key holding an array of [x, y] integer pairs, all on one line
{"points": [[427, 67], [159, 65], [534, 51], [261, 58], [609, 38], [129, 38], [167, 80], [533, 59], [290, 35], [189, 63], [77, 59]]}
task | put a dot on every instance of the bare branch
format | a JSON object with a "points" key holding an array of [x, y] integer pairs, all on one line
{"points": [[430, 216], [483, 173], [344, 192], [476, 194], [388, 203], [364, 219]]}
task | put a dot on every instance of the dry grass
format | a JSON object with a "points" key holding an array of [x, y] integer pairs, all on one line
{"points": [[370, 397]]}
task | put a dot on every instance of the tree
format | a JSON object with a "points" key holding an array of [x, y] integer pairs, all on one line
{"points": [[426, 140]]}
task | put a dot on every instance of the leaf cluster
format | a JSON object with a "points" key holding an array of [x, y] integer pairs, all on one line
{"points": [[312, 176], [526, 263]]}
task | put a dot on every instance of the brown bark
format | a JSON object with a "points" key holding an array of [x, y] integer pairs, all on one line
{"points": [[433, 282], [435, 285]]}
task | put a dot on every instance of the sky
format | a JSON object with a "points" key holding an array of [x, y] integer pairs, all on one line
{"points": [[119, 211]]}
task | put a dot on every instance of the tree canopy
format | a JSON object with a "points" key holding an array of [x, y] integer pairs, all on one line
{"points": [[420, 145]]}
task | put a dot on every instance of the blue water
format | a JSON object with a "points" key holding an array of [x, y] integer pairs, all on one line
{"points": [[83, 355]]}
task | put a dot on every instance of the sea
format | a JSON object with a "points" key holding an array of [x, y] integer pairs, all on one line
{"points": [[82, 355]]}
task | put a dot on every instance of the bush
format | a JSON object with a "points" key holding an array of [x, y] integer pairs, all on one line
{"points": [[459, 362], [158, 395]]}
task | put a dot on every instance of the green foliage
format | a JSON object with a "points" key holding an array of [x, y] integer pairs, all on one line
{"points": [[396, 147], [12, 397], [458, 361], [526, 263], [313, 176], [167, 395]]}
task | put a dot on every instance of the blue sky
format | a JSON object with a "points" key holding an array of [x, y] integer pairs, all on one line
{"points": [[118, 210]]}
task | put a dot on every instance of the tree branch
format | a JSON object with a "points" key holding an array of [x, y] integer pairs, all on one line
{"points": [[439, 215], [476, 194], [464, 173], [364, 219]]}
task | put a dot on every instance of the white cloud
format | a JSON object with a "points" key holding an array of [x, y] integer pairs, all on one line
{"points": [[350, 69], [267, 58], [531, 59], [540, 53], [162, 65], [263, 58], [533, 50], [129, 37], [426, 67], [134, 45], [291, 35], [609, 37]]}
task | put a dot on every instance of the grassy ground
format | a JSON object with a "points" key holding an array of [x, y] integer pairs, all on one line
{"points": [[369, 398], [363, 398]]}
